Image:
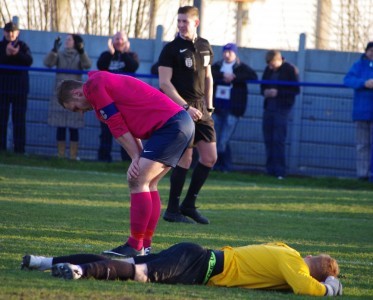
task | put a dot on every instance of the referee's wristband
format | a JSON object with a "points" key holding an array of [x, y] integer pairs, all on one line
{"points": [[211, 110]]}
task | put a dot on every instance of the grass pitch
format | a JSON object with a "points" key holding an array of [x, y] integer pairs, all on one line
{"points": [[57, 207]]}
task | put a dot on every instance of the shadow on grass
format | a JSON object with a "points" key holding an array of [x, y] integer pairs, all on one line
{"points": [[121, 167]]}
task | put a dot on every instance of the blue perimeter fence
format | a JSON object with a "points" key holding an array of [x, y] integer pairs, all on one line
{"points": [[320, 139]]}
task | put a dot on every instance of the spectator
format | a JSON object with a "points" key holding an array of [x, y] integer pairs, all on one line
{"points": [[279, 99], [135, 111], [266, 266], [360, 78], [185, 76], [117, 59], [14, 87], [71, 57], [230, 99]]}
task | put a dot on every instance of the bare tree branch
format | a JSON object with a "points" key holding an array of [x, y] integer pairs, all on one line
{"points": [[6, 16]]}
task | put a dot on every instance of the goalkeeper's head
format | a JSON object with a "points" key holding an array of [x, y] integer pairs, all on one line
{"points": [[322, 266]]}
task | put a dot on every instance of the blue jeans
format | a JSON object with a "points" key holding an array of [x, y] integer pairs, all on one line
{"points": [[225, 124], [274, 131]]}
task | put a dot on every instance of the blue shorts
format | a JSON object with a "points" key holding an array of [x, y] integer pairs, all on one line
{"points": [[168, 143]]}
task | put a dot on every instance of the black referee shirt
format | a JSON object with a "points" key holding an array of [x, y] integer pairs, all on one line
{"points": [[188, 61]]}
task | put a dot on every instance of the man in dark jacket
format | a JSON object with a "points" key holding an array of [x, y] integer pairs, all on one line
{"points": [[230, 99], [279, 98], [117, 59], [14, 87]]}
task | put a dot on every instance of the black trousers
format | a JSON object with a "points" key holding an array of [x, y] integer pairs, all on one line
{"points": [[18, 102], [106, 145], [183, 263]]}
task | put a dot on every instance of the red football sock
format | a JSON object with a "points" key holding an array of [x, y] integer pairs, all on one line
{"points": [[154, 217], [140, 212]]}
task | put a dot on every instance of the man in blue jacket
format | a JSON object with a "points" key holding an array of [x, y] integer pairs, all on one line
{"points": [[360, 78]]}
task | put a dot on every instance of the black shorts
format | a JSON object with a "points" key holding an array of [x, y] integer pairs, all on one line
{"points": [[183, 263], [205, 127]]}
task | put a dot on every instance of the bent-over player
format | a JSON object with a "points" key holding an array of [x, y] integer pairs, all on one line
{"points": [[134, 110]]}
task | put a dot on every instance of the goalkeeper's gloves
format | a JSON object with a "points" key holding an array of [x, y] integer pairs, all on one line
{"points": [[333, 286]]}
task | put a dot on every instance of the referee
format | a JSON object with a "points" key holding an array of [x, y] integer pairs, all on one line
{"points": [[185, 76]]}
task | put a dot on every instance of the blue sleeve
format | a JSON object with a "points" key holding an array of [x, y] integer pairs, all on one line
{"points": [[354, 78]]}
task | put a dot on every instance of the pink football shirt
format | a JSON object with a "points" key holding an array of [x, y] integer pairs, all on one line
{"points": [[127, 104]]}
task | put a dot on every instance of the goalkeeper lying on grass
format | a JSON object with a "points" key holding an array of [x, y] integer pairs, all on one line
{"points": [[273, 266]]}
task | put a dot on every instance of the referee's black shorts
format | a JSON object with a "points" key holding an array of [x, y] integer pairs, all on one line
{"points": [[205, 127], [183, 263]]}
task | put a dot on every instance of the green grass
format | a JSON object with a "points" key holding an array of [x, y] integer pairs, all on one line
{"points": [[57, 207]]}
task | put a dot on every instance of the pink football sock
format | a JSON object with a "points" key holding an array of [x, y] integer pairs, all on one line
{"points": [[140, 213], [154, 217]]}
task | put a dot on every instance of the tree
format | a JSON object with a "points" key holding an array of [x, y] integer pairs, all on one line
{"points": [[100, 17], [342, 24], [61, 16]]}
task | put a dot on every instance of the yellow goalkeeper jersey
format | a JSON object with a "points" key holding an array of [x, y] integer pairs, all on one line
{"points": [[267, 266]]}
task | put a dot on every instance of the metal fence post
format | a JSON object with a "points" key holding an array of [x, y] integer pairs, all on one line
{"points": [[297, 110], [158, 42]]}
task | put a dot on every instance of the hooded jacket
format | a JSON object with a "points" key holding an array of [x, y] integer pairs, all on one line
{"points": [[361, 71], [238, 96]]}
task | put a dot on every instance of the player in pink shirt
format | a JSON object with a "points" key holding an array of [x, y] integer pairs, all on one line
{"points": [[133, 110]]}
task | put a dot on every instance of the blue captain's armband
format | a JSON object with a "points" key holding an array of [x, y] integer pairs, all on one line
{"points": [[108, 111]]}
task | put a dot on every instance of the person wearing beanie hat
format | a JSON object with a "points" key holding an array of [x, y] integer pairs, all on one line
{"points": [[360, 78], [230, 47], [14, 87], [71, 57], [230, 100]]}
